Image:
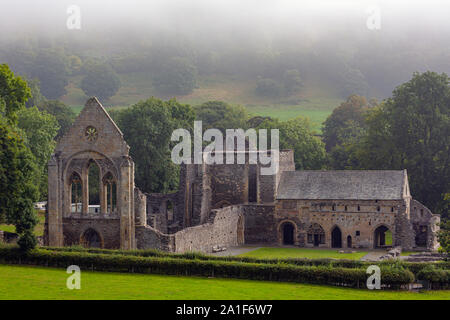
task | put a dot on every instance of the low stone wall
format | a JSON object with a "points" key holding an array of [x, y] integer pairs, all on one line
{"points": [[222, 230], [150, 238]]}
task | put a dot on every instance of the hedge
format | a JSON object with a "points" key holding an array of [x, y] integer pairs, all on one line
{"points": [[414, 267], [435, 278], [392, 277]]}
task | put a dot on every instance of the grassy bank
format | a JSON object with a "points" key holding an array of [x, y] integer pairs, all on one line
{"points": [[24, 282], [282, 253]]}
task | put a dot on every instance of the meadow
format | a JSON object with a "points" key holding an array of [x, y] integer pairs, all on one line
{"points": [[282, 253], [39, 283], [38, 230], [315, 101]]}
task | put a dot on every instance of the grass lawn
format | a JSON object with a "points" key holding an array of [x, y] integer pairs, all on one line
{"points": [[274, 253], [38, 230], [26, 282]]}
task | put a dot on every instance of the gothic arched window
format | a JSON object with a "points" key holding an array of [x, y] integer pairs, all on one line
{"points": [[110, 192], [75, 193]]}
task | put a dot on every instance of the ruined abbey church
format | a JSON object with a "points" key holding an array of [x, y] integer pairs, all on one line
{"points": [[224, 205]]}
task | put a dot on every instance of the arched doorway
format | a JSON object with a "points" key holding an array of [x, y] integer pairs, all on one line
{"points": [[316, 234], [382, 237], [91, 239], [240, 231], [288, 233], [336, 238], [349, 241]]}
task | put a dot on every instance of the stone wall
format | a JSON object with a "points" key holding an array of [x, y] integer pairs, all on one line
{"points": [[260, 226], [221, 230], [425, 225], [150, 238], [107, 227], [357, 219]]}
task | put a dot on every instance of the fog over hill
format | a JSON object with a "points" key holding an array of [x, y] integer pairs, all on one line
{"points": [[316, 37]]}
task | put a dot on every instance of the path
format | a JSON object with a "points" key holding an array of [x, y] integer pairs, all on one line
{"points": [[234, 251]]}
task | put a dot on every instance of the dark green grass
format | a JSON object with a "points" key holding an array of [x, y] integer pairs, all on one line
{"points": [[25, 282]]}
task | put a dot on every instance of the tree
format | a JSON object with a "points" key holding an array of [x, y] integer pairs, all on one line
{"points": [[178, 76], [51, 70], [354, 82], [17, 188], [14, 92], [268, 88], [296, 134], [147, 127], [410, 130], [444, 236], [18, 172], [36, 98], [222, 116], [63, 114], [100, 81], [292, 81], [349, 114], [40, 129]]}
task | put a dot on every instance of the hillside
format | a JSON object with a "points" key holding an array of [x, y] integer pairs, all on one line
{"points": [[316, 100]]}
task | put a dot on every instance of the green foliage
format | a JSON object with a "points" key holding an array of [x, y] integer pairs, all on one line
{"points": [[14, 92], [62, 113], [178, 76], [295, 134], [266, 87], [354, 82], [292, 81], [100, 81], [221, 115], [409, 131], [147, 127], [36, 98], [393, 277], [50, 67], [345, 122], [444, 236], [437, 278], [40, 129], [18, 189]]}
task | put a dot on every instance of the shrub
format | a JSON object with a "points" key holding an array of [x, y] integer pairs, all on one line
{"points": [[330, 275], [437, 278]]}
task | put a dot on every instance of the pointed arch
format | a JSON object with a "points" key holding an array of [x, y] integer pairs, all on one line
{"points": [[316, 234], [75, 192], [91, 238], [109, 194], [336, 237]]}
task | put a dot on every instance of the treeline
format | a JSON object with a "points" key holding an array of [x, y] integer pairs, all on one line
{"points": [[371, 68], [409, 130]]}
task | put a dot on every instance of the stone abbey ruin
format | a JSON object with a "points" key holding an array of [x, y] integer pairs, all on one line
{"points": [[223, 205]]}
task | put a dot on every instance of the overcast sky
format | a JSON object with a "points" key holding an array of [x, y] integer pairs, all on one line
{"points": [[204, 17]]}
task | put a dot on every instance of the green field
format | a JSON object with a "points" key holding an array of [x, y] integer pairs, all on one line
{"points": [[315, 101], [38, 230], [279, 253], [25, 282]]}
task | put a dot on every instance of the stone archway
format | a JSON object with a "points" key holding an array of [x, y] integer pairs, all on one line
{"points": [[288, 233], [91, 239], [336, 237], [382, 237]]}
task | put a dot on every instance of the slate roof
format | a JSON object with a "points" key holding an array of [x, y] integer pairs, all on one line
{"points": [[342, 184]]}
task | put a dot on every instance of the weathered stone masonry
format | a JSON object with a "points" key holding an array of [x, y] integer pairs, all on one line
{"points": [[222, 205]]}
